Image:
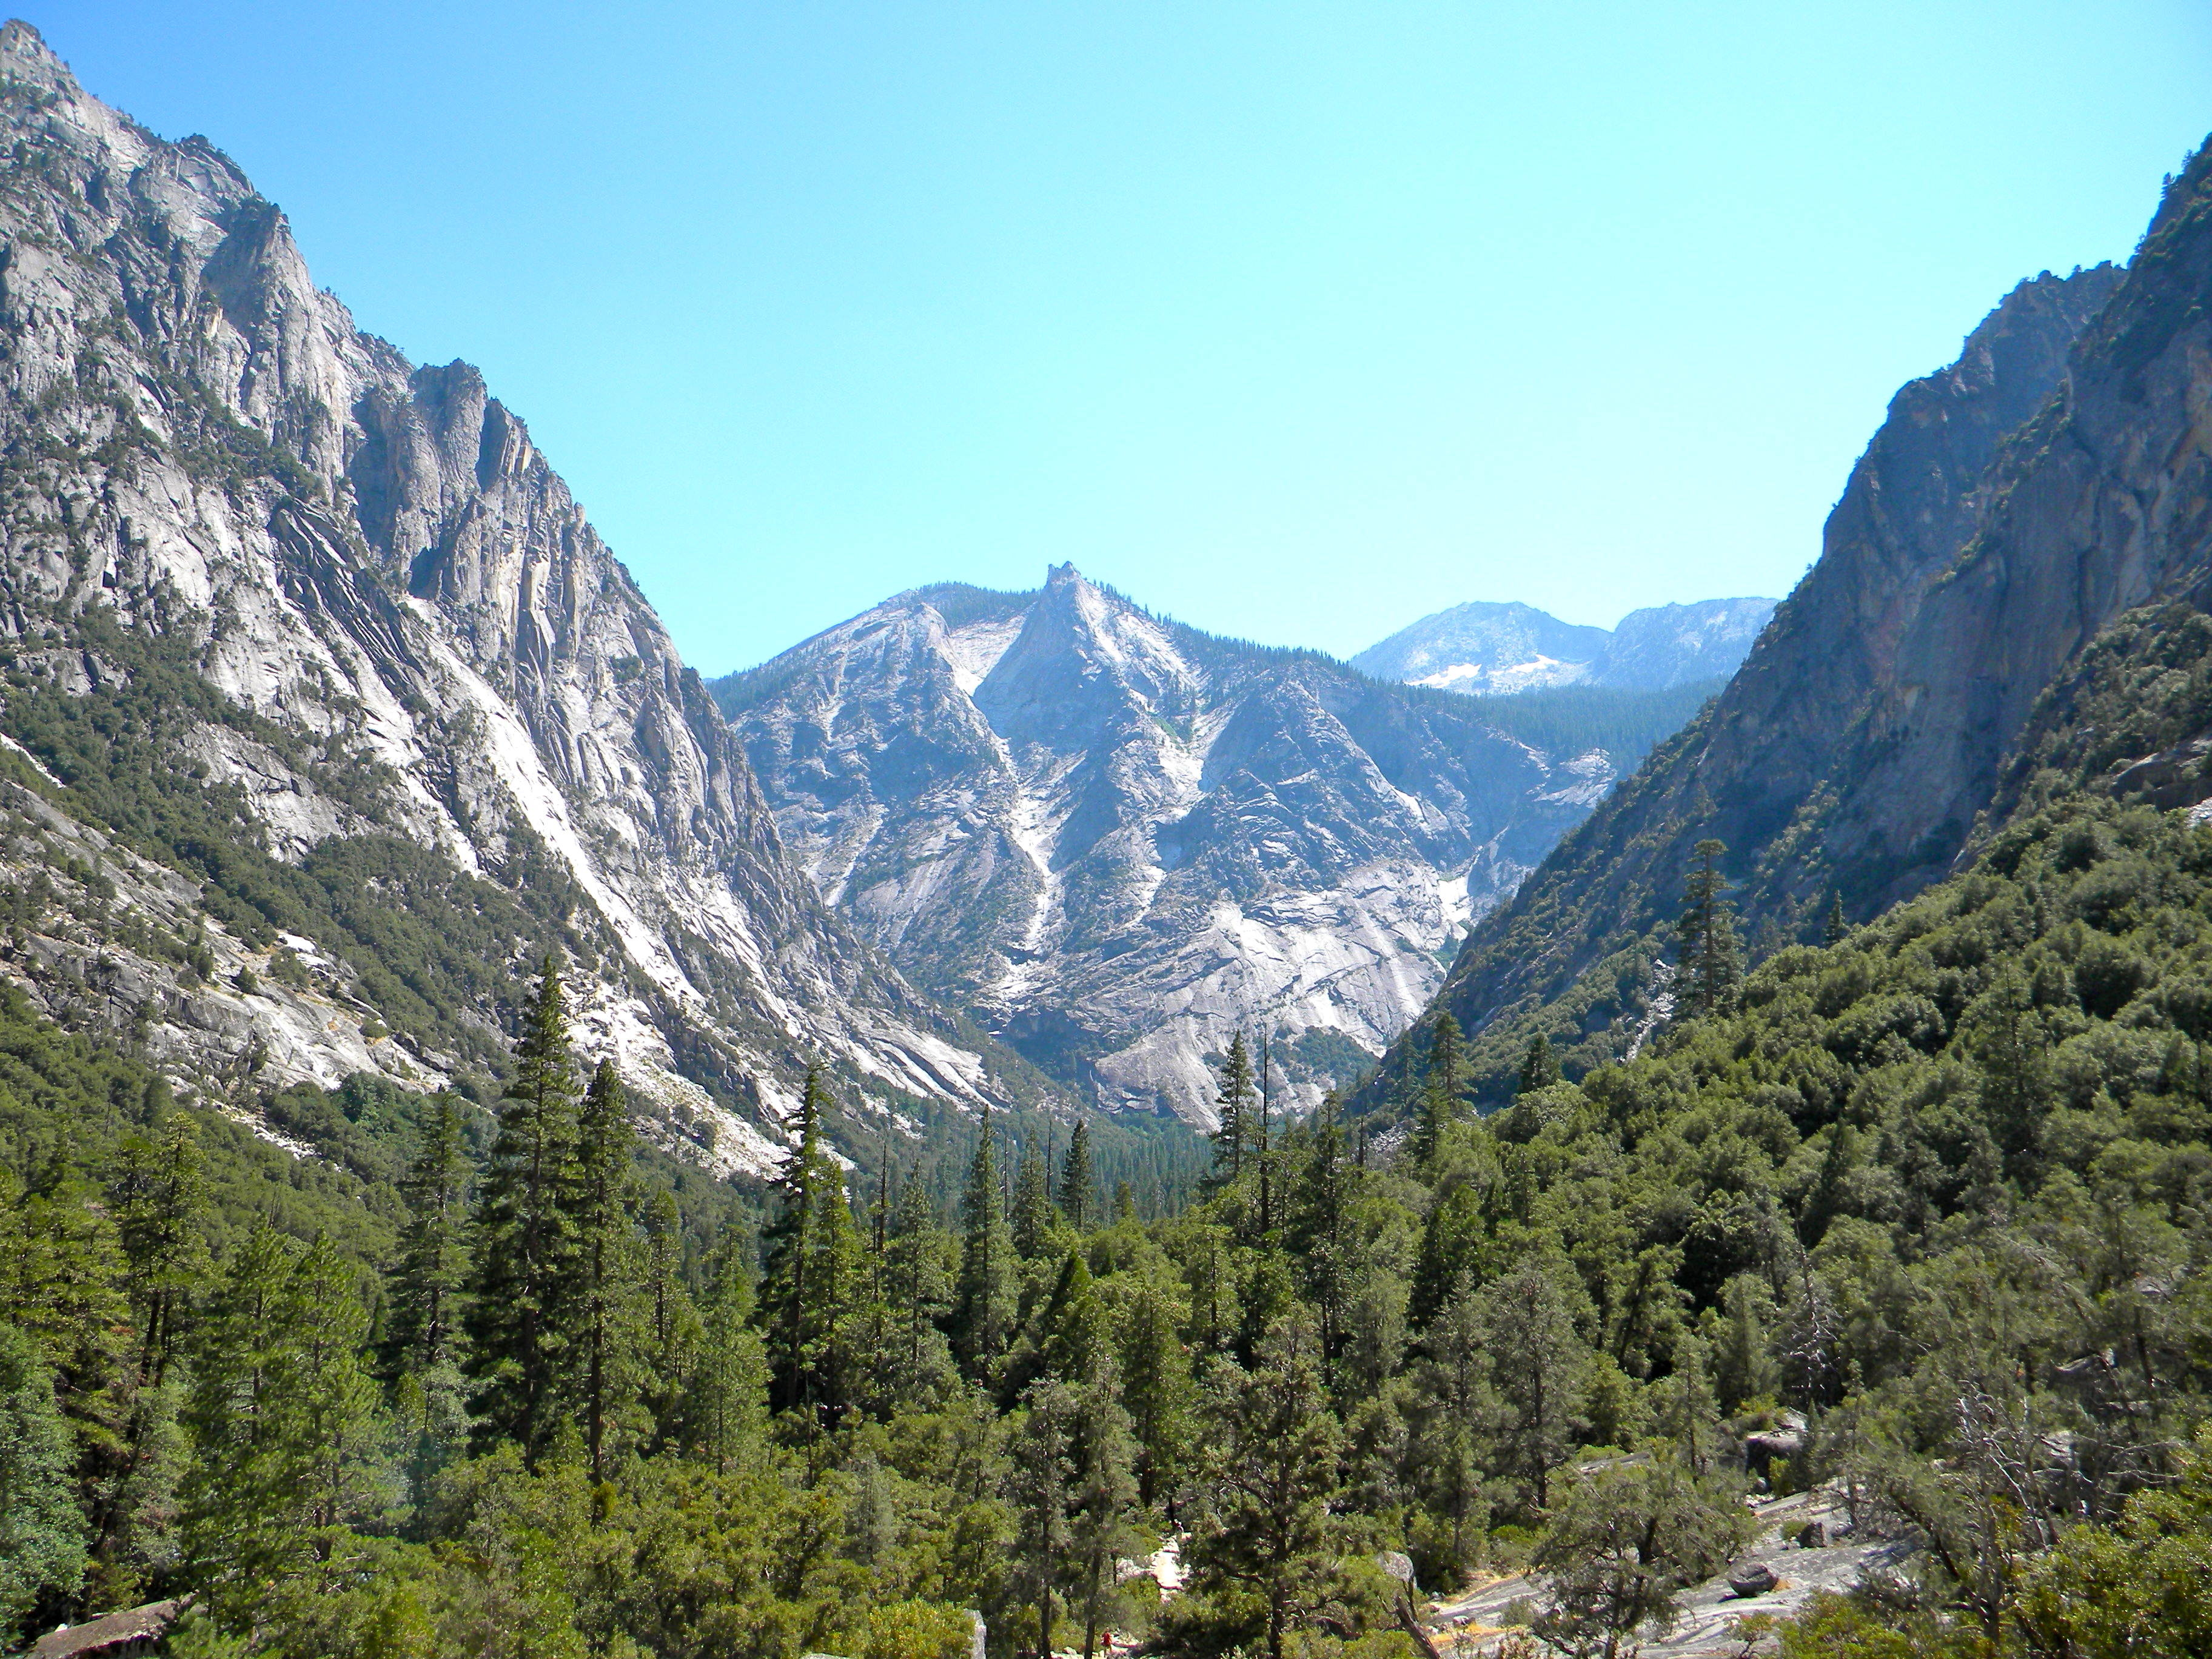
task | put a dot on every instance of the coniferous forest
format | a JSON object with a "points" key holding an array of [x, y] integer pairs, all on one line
{"points": [[502, 1157], [1928, 1197]]}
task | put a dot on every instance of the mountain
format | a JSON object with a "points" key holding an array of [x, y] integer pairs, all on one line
{"points": [[2014, 506], [326, 710], [1504, 648], [1115, 839]]}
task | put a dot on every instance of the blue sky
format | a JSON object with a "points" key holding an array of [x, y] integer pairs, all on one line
{"points": [[1297, 321]]}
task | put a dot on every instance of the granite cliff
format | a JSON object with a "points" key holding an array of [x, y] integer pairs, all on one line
{"points": [[327, 709], [2013, 508]]}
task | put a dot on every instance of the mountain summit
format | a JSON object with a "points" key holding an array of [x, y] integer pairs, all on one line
{"points": [[1117, 839], [1482, 646]]}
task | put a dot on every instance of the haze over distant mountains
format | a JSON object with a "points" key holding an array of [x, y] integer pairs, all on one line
{"points": [[1484, 647]]}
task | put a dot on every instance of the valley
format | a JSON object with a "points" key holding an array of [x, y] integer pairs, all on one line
{"points": [[1020, 1126]]}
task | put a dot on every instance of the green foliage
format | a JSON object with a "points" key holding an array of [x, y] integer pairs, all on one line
{"points": [[42, 1535], [527, 1259], [1626, 1538]]}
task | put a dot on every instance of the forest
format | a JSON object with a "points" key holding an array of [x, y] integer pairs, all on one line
{"points": [[1936, 1185]]}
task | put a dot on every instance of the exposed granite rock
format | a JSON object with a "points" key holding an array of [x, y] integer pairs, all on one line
{"points": [[2009, 508], [376, 557], [1117, 839]]}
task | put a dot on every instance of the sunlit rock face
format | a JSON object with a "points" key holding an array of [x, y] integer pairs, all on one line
{"points": [[1118, 840], [375, 557]]}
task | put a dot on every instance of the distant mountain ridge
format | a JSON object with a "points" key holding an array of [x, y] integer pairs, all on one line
{"points": [[1114, 840], [1503, 648]]}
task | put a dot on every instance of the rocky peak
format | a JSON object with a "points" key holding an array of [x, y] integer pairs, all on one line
{"points": [[1116, 840], [374, 562]]}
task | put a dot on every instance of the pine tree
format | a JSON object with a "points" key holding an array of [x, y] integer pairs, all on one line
{"points": [[1540, 1366], [1836, 929], [1042, 1487], [1238, 1100], [1033, 1216], [1100, 1533], [838, 1285], [283, 1418], [1264, 1525], [727, 1400], [1318, 1234], [1712, 961], [1455, 1408], [604, 1378], [1440, 1099], [1125, 1202], [1539, 1067], [160, 1197], [1156, 1386], [982, 1309], [424, 1287], [1078, 1186], [523, 1277], [919, 1290], [812, 1255], [669, 1326]]}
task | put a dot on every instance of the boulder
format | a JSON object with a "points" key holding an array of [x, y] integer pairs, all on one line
{"points": [[1752, 1579]]}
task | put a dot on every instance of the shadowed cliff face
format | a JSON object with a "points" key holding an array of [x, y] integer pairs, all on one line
{"points": [[2010, 507], [375, 561], [1118, 840]]}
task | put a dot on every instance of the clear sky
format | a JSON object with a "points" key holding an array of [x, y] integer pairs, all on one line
{"points": [[1297, 321]]}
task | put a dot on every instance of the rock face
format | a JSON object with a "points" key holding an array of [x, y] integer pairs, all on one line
{"points": [[1118, 840], [1504, 648], [2010, 506], [386, 621]]}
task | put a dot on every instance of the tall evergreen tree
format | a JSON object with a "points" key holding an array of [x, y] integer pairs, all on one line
{"points": [[1319, 1236], [983, 1307], [1042, 1487], [1100, 1531], [283, 1418], [1836, 929], [42, 1531], [919, 1290], [523, 1276], [1712, 962], [1032, 1208], [813, 1256], [1264, 1524], [1455, 1408], [1079, 1199], [1237, 1102], [1440, 1097], [726, 1400], [606, 1261], [1156, 1386], [160, 1198], [1540, 1065], [423, 1288], [1540, 1367]]}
